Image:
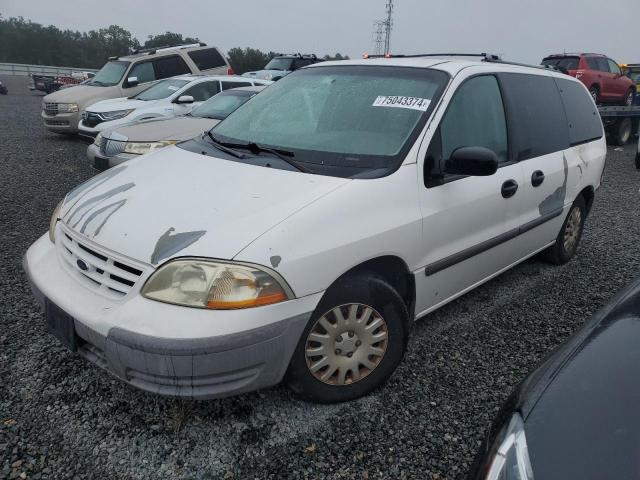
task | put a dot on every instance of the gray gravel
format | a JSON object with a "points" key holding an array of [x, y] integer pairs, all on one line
{"points": [[61, 417]]}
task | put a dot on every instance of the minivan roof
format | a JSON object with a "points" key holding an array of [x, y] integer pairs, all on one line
{"points": [[451, 65]]}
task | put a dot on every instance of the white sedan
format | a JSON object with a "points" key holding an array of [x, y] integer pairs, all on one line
{"points": [[167, 99]]}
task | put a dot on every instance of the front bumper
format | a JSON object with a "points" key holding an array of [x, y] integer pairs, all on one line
{"points": [[62, 122], [103, 162], [172, 350]]}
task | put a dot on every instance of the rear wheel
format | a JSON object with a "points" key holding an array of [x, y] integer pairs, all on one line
{"points": [[353, 342], [570, 234], [621, 131], [629, 97]]}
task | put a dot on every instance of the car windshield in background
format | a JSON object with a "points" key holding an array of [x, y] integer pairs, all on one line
{"points": [[109, 75], [222, 105], [635, 75], [350, 117], [563, 63], [279, 64], [161, 90]]}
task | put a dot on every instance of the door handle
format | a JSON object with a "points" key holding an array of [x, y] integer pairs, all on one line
{"points": [[537, 178], [509, 188]]}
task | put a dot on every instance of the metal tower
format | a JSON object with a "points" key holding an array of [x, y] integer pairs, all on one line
{"points": [[388, 26], [379, 37]]}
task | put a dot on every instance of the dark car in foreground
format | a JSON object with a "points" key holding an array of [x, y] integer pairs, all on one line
{"points": [[576, 416]]}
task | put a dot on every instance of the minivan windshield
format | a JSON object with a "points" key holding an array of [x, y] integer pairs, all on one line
{"points": [[222, 105], [161, 90], [279, 64], [109, 75], [353, 116]]}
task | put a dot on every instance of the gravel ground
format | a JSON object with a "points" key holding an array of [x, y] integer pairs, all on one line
{"points": [[61, 417]]}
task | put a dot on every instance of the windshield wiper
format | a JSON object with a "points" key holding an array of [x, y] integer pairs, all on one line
{"points": [[224, 148], [283, 155]]}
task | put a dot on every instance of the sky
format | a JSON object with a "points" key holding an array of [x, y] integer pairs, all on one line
{"points": [[519, 30]]}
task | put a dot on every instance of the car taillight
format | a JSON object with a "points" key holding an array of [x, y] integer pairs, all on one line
{"points": [[230, 71]]}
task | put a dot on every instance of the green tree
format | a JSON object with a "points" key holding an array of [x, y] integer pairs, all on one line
{"points": [[168, 38]]}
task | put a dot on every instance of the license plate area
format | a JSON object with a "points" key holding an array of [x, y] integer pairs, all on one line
{"points": [[60, 324]]}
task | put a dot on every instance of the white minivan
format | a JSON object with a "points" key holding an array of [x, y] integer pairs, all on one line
{"points": [[301, 237]]}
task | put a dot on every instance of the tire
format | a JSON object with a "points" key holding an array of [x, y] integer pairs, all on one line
{"points": [[369, 293], [560, 252], [629, 97], [594, 91], [622, 131]]}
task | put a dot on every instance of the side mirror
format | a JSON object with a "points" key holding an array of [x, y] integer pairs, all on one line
{"points": [[132, 82], [185, 99], [472, 161]]}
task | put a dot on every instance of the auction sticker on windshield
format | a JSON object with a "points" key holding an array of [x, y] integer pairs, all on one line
{"points": [[412, 103]]}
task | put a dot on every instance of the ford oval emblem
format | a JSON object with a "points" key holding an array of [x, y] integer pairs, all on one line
{"points": [[82, 266]]}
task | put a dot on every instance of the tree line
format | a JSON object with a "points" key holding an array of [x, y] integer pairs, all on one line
{"points": [[24, 41]]}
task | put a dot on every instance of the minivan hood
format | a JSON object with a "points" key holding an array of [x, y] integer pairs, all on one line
{"points": [[174, 203], [178, 128], [122, 103], [83, 95]]}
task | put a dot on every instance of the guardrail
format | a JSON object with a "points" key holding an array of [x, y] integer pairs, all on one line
{"points": [[25, 70]]}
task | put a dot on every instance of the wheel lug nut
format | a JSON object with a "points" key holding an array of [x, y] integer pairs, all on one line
{"points": [[339, 338], [350, 354], [338, 351], [350, 334], [358, 343]]}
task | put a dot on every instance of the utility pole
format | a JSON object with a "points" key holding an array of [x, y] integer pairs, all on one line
{"points": [[379, 37], [388, 26], [382, 31]]}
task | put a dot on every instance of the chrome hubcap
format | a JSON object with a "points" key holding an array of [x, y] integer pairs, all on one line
{"points": [[346, 344], [572, 229]]}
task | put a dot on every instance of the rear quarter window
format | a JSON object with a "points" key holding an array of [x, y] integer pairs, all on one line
{"points": [[207, 58], [584, 121], [538, 124]]}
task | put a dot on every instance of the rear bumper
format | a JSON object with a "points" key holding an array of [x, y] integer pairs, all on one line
{"points": [[203, 365], [62, 122], [102, 162]]}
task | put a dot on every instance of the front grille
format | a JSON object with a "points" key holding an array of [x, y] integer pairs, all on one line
{"points": [[98, 270], [91, 119], [111, 148], [57, 123], [51, 108]]}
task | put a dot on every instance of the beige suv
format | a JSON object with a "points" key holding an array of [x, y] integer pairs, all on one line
{"points": [[127, 76]]}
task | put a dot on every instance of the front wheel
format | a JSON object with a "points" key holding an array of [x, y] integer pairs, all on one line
{"points": [[570, 234], [353, 342]]}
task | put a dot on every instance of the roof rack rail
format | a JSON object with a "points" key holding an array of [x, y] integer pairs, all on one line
{"points": [[298, 55], [152, 50], [485, 57]]}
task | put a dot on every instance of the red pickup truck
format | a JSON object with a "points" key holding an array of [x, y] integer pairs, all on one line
{"points": [[601, 75]]}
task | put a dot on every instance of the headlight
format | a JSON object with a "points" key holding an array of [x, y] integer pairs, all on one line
{"points": [[215, 285], [55, 216], [68, 107], [98, 140], [115, 114], [511, 461], [140, 148]]}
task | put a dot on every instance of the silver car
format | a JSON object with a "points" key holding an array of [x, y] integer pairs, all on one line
{"points": [[125, 142]]}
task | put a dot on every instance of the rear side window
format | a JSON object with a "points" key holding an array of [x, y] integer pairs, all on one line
{"points": [[603, 65], [475, 118], [207, 58], [170, 67], [538, 122], [584, 120], [592, 63], [229, 85], [203, 91], [143, 72]]}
